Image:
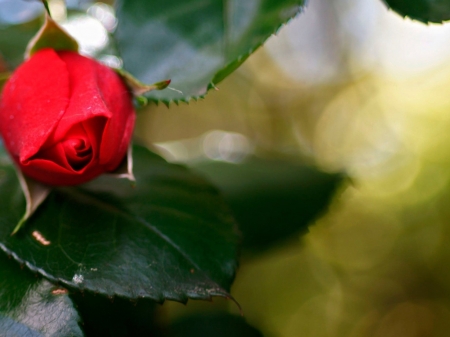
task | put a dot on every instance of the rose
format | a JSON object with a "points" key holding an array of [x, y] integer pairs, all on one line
{"points": [[65, 118]]}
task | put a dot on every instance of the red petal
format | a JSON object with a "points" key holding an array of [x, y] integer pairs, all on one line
{"points": [[77, 148], [123, 147], [86, 100], [49, 172], [119, 128], [33, 101]]}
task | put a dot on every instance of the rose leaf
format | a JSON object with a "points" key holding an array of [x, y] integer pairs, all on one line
{"points": [[195, 43], [426, 11], [32, 306], [259, 190], [169, 236]]}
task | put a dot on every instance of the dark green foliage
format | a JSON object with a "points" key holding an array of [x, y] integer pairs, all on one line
{"points": [[422, 10], [169, 237], [217, 325], [117, 317], [14, 40], [272, 199], [195, 43]]}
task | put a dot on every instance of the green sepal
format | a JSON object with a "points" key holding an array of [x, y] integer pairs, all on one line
{"points": [[137, 87], [35, 194], [51, 35]]}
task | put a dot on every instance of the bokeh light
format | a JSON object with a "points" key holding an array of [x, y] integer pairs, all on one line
{"points": [[13, 12]]}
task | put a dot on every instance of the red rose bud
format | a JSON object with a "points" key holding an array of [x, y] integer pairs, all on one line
{"points": [[65, 118]]}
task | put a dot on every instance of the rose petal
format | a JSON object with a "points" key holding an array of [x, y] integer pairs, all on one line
{"points": [[77, 148], [86, 100], [93, 133], [51, 173], [73, 153], [94, 129], [54, 153], [118, 130], [124, 144], [33, 101]]}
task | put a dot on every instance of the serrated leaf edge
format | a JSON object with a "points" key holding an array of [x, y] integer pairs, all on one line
{"points": [[211, 293], [240, 59], [182, 298], [406, 16]]}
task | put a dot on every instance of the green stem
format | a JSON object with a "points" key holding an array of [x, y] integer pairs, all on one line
{"points": [[46, 7]]}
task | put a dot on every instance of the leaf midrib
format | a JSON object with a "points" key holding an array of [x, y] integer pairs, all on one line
{"points": [[126, 214]]}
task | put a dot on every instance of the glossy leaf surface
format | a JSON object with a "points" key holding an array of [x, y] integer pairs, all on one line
{"points": [[272, 199], [32, 306], [195, 43], [422, 10], [169, 237]]}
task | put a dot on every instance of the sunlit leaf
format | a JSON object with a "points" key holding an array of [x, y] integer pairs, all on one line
{"points": [[422, 10], [32, 306], [195, 43], [170, 236]]}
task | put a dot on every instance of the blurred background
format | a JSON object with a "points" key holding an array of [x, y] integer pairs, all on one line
{"points": [[351, 88]]}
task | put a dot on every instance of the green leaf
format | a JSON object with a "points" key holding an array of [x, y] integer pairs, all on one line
{"points": [[195, 43], [272, 199], [422, 10], [168, 237], [217, 325], [32, 306]]}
